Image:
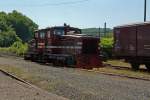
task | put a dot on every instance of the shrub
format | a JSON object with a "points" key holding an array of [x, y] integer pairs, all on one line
{"points": [[19, 48], [106, 47], [7, 38]]}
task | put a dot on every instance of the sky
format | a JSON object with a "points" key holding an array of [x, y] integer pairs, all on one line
{"points": [[79, 13]]}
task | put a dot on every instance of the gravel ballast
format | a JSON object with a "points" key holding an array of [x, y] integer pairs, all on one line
{"points": [[76, 84], [11, 89]]}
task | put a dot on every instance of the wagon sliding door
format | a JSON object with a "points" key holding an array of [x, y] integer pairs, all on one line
{"points": [[143, 37], [125, 41]]}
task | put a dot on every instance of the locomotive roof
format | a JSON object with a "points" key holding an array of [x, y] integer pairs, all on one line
{"points": [[64, 27], [133, 24], [56, 27]]}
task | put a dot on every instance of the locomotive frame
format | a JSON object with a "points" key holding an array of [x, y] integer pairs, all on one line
{"points": [[65, 46]]}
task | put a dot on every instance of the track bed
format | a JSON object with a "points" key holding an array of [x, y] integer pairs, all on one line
{"points": [[12, 89], [76, 84]]}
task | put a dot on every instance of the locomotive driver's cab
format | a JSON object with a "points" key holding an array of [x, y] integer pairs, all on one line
{"points": [[40, 39], [44, 36], [59, 31], [65, 30], [55, 31], [40, 34]]}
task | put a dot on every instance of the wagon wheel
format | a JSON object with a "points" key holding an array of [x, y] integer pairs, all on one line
{"points": [[148, 67], [135, 66]]}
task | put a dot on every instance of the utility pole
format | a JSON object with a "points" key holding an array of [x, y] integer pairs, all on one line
{"points": [[145, 10], [99, 32], [105, 25]]}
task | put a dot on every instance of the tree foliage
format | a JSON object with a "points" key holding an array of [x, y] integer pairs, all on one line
{"points": [[3, 22], [22, 25], [7, 38], [15, 26], [107, 46], [19, 48], [97, 32]]}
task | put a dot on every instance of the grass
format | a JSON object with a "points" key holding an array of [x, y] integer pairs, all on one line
{"points": [[29, 77], [117, 63], [45, 84], [124, 72], [17, 48], [36, 79], [13, 70], [129, 73]]}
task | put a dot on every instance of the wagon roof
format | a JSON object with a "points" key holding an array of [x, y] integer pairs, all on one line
{"points": [[133, 24]]}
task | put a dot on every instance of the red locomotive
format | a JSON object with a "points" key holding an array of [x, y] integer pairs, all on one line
{"points": [[65, 46]]}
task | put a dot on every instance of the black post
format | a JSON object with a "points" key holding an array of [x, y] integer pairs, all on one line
{"points": [[99, 32], [145, 10], [105, 29]]}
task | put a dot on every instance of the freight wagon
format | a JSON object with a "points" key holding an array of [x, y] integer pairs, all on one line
{"points": [[65, 46], [132, 43]]}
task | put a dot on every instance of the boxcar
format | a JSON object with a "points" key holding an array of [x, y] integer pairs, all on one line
{"points": [[132, 43]]}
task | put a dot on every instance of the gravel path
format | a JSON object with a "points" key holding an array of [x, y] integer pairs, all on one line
{"points": [[11, 89], [81, 85]]}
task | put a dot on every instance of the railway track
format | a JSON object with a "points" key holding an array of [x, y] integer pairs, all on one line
{"points": [[73, 81], [124, 68], [44, 94], [15, 77], [120, 75], [104, 73], [124, 76]]}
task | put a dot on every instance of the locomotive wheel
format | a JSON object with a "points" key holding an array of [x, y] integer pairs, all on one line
{"points": [[56, 63], [148, 67], [60, 63], [135, 66], [41, 59], [33, 58], [63, 64], [69, 62], [26, 58]]}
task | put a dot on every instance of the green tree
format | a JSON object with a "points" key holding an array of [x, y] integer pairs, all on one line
{"points": [[3, 22], [7, 38], [23, 26], [14, 27]]}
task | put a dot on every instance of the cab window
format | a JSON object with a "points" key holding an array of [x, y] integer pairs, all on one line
{"points": [[73, 31], [42, 35], [49, 34], [58, 32], [36, 35]]}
